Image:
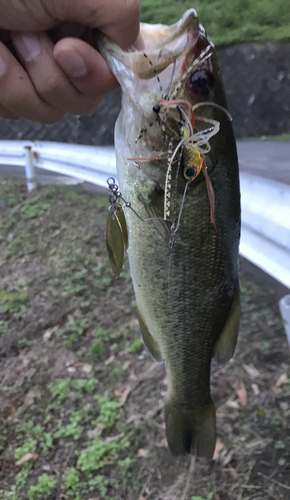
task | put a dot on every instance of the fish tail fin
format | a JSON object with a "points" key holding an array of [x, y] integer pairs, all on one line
{"points": [[192, 431]]}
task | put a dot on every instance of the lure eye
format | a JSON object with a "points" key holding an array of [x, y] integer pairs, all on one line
{"points": [[156, 108], [189, 173], [201, 82]]}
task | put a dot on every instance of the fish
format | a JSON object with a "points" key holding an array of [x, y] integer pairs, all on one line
{"points": [[179, 191]]}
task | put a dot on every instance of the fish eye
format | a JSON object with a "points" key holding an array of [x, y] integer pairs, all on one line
{"points": [[201, 82], [189, 173]]}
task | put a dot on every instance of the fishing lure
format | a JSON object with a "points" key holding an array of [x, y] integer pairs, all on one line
{"points": [[192, 145]]}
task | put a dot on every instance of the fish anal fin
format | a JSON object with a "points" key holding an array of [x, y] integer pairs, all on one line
{"points": [[191, 431], [148, 340], [226, 343]]}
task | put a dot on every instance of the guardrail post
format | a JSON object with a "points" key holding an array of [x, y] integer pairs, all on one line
{"points": [[29, 168], [284, 305]]}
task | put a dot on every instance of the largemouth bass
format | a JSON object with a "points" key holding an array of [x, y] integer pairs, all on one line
{"points": [[179, 189]]}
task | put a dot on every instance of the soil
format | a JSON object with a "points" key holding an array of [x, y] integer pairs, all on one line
{"points": [[80, 395]]}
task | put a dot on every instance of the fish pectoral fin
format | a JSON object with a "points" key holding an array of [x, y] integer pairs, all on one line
{"points": [[226, 343], [148, 340], [191, 431], [116, 240]]}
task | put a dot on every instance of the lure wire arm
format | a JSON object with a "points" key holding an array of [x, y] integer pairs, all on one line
{"points": [[115, 196]]}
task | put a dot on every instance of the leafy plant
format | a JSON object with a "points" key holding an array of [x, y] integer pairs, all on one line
{"points": [[108, 411], [71, 478], [136, 347], [97, 350], [44, 487], [30, 208], [83, 384], [60, 388], [208, 497], [73, 429], [100, 453], [28, 447], [13, 303]]}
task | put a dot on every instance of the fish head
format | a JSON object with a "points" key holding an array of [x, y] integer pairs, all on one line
{"points": [[177, 62]]}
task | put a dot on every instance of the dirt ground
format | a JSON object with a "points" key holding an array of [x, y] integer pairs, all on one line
{"points": [[81, 404]]}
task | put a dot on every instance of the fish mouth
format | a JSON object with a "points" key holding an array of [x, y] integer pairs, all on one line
{"points": [[164, 47]]}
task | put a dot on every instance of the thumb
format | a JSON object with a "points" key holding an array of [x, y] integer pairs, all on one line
{"points": [[118, 19]]}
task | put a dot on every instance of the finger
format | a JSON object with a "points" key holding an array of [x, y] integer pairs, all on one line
{"points": [[17, 94], [4, 113], [49, 80], [85, 67], [119, 20]]}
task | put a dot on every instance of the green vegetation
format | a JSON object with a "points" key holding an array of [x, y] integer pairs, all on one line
{"points": [[44, 487], [208, 497], [136, 346], [80, 408], [227, 22]]}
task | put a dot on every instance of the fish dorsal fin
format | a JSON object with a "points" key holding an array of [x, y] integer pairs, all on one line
{"points": [[226, 343], [148, 340], [116, 240], [154, 206]]}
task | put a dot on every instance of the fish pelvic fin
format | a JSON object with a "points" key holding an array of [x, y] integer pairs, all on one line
{"points": [[226, 343], [148, 340], [191, 431]]}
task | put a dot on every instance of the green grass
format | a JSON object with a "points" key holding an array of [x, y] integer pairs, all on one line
{"points": [[227, 22], [77, 393]]}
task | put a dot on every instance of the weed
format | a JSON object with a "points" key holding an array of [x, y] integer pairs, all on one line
{"points": [[30, 208], [100, 453], [21, 477], [12, 303], [104, 334], [279, 445], [71, 478], [44, 438], [4, 327], [208, 497], [44, 487], [21, 245], [97, 350], [75, 328], [29, 446], [73, 429], [136, 347], [74, 283], [83, 384], [60, 388], [108, 411]]}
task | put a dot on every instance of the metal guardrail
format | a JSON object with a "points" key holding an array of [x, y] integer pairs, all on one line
{"points": [[265, 239], [89, 163]]}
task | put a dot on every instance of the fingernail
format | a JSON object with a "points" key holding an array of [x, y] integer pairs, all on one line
{"points": [[72, 63], [2, 66], [27, 46]]}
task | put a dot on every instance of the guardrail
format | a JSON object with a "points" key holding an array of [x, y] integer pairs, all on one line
{"points": [[89, 163], [265, 239]]}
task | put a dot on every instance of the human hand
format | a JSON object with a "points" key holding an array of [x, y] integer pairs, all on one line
{"points": [[51, 68]]}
